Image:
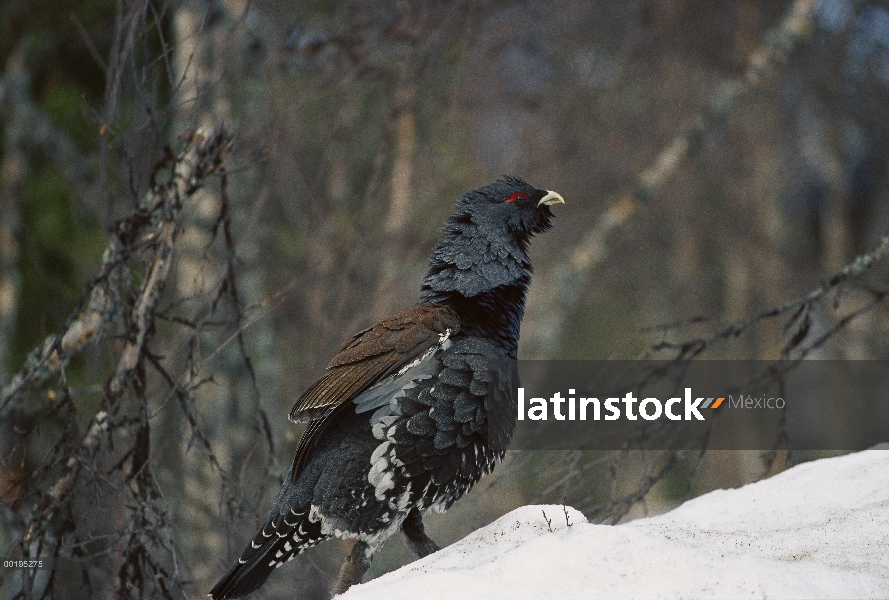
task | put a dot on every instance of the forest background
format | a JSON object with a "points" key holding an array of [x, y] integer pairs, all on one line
{"points": [[200, 200]]}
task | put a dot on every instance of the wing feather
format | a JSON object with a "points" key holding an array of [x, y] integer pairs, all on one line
{"points": [[365, 359]]}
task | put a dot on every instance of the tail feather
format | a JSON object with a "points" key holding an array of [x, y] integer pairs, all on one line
{"points": [[279, 541]]}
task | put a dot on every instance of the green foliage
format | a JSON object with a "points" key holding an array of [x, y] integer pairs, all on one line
{"points": [[60, 249], [63, 101], [61, 241], [55, 42]]}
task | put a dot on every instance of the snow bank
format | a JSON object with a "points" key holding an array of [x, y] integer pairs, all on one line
{"points": [[818, 530]]}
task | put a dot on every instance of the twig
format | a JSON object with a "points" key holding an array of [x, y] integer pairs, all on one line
{"points": [[200, 159], [92, 318], [690, 348], [549, 522]]}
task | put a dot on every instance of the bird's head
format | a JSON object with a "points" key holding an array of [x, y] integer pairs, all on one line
{"points": [[508, 207], [486, 239]]}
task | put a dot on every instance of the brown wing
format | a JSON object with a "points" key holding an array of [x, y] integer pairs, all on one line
{"points": [[368, 357]]}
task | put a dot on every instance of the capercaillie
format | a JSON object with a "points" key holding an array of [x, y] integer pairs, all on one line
{"points": [[416, 409]]}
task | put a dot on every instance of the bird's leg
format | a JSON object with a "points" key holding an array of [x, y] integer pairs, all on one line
{"points": [[353, 569], [417, 540]]}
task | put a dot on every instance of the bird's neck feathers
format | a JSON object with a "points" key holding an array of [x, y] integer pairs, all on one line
{"points": [[483, 277]]}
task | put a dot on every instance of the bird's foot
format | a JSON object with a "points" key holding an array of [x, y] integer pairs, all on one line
{"points": [[417, 540], [353, 569]]}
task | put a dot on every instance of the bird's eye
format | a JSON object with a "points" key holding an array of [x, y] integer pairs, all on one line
{"points": [[519, 197]]}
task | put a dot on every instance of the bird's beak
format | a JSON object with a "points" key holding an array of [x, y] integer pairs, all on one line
{"points": [[551, 198]]}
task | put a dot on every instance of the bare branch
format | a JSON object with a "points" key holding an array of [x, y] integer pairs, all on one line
{"points": [[155, 224], [571, 278], [690, 348], [153, 227]]}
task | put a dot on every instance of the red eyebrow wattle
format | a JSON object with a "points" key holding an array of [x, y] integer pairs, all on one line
{"points": [[516, 196]]}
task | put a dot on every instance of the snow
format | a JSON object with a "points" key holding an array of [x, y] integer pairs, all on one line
{"points": [[818, 530]]}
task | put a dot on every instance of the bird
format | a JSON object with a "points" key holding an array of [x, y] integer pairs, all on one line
{"points": [[416, 409]]}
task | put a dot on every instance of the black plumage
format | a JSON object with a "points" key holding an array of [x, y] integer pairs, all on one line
{"points": [[414, 410]]}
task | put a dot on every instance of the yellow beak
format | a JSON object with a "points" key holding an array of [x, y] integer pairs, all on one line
{"points": [[551, 198]]}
